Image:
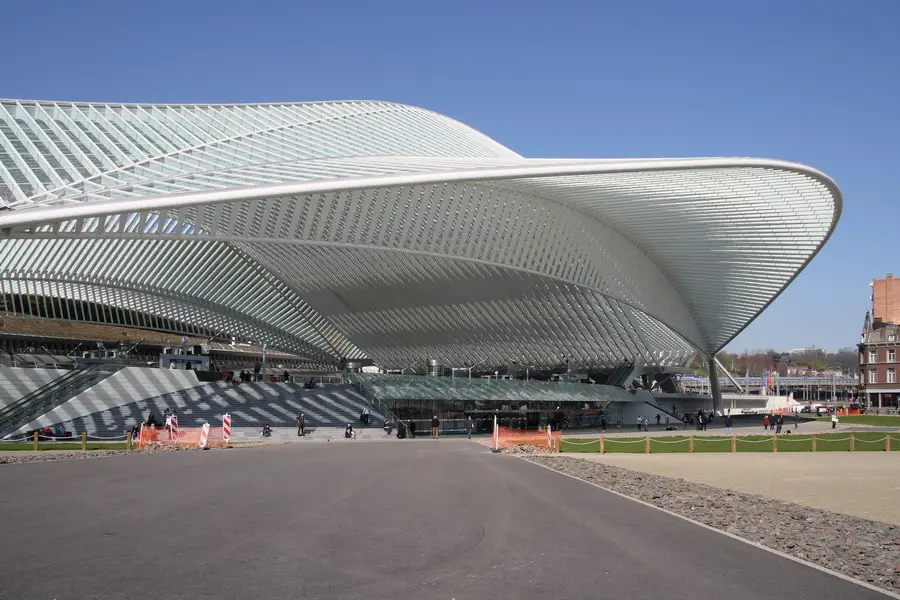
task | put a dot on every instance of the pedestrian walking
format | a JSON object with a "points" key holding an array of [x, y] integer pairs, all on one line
{"points": [[658, 419], [640, 422], [834, 420], [646, 423], [411, 426], [470, 424], [301, 424], [766, 423], [435, 427], [728, 424], [603, 423]]}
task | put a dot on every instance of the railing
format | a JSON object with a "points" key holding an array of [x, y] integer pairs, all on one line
{"points": [[362, 384], [47, 397]]}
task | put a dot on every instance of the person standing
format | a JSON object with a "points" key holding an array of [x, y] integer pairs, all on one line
{"points": [[646, 423], [470, 424], [603, 423], [301, 424], [435, 427], [411, 427], [766, 423], [658, 419], [834, 420], [778, 423], [640, 422], [728, 424]]}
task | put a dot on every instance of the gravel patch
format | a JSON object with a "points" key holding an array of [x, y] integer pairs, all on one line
{"points": [[519, 449], [862, 549]]}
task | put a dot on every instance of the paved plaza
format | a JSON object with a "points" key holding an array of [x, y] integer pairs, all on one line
{"points": [[427, 519]]}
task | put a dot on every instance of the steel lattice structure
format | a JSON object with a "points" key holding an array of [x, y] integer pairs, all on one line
{"points": [[370, 229]]}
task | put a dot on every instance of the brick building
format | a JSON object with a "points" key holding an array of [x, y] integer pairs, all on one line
{"points": [[879, 348], [886, 300]]}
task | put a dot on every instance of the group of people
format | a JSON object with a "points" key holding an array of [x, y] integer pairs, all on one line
{"points": [[245, 376], [406, 430], [776, 422], [643, 422]]}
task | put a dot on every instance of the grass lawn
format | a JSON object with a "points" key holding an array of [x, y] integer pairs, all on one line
{"points": [[871, 441], [61, 446], [881, 420]]}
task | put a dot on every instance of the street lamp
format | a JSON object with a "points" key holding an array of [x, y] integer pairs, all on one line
{"points": [[409, 366], [475, 365]]}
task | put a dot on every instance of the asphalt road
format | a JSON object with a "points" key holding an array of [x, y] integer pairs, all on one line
{"points": [[365, 520]]}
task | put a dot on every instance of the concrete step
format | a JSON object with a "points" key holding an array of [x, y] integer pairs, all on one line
{"points": [[289, 434]]}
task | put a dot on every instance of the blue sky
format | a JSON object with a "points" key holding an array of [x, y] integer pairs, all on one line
{"points": [[816, 82]]}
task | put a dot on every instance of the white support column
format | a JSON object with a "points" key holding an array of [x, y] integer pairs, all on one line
{"points": [[714, 390]]}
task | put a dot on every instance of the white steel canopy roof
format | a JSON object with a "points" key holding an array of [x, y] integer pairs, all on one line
{"points": [[369, 229]]}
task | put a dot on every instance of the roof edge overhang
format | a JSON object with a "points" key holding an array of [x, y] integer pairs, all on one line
{"points": [[529, 168]]}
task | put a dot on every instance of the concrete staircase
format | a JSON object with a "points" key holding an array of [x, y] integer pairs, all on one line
{"points": [[288, 435], [17, 382], [251, 406]]}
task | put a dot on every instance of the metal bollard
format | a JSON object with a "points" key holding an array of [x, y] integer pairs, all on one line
{"points": [[84, 441]]}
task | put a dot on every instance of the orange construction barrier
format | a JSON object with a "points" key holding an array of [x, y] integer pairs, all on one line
{"points": [[186, 436], [505, 437], [846, 412]]}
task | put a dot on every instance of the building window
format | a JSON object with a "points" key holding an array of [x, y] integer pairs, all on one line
{"points": [[873, 376], [892, 376], [891, 355], [873, 357], [891, 337]]}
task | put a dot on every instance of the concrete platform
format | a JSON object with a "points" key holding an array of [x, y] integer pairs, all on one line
{"points": [[863, 484]]}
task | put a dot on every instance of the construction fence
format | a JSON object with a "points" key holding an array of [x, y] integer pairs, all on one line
{"points": [[842, 442]]}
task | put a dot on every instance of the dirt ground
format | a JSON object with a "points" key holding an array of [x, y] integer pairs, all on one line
{"points": [[865, 484]]}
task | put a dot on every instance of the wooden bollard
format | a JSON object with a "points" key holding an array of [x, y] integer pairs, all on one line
{"points": [[36, 442], [734, 443], [813, 443], [852, 442], [647, 447], [887, 442], [128, 441], [692, 444], [602, 447], [84, 441], [774, 443]]}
